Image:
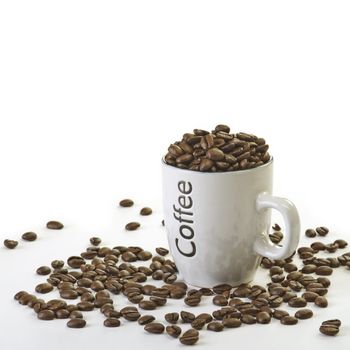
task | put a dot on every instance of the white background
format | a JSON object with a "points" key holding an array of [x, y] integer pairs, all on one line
{"points": [[92, 93]]}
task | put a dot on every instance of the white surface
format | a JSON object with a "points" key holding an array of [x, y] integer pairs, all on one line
{"points": [[91, 94]]}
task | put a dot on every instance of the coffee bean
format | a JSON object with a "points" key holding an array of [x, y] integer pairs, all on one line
{"points": [[62, 314], [57, 264], [323, 270], [220, 300], [75, 261], [54, 225], [97, 286], [147, 305], [304, 314], [324, 281], [162, 251], [207, 317], [297, 302], [76, 323], [341, 243], [263, 317], [154, 328], [192, 300], [111, 322], [221, 288], [10, 244], [43, 270], [198, 323], [310, 233], [206, 164], [321, 301], [19, 294], [289, 320], [309, 268], [248, 319], [132, 226], [46, 315], [187, 317], [56, 304], [172, 317], [317, 246], [215, 326], [44, 288], [231, 322], [76, 314], [279, 314], [29, 236], [329, 330], [145, 319], [159, 301], [322, 231], [190, 337], [173, 330], [146, 211], [95, 241], [130, 313], [126, 203], [310, 296], [334, 322], [85, 306], [68, 294]]}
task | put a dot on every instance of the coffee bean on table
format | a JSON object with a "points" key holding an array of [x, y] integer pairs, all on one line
{"points": [[248, 319], [76, 314], [57, 264], [145, 319], [130, 313], [341, 243], [318, 246], [43, 270], [19, 294], [310, 233], [334, 322], [297, 302], [231, 322], [263, 317], [44, 288], [190, 337], [322, 231], [330, 327], [76, 323], [10, 244], [62, 314], [172, 317], [323, 270], [111, 322], [29, 236], [221, 288], [309, 296], [154, 328], [289, 320], [215, 326], [220, 300], [321, 301], [146, 211], [54, 225], [173, 330], [303, 314], [75, 261], [147, 305], [68, 294], [198, 323], [46, 315], [192, 300], [85, 306], [132, 226], [162, 251], [187, 317], [95, 241], [126, 203], [279, 314]]}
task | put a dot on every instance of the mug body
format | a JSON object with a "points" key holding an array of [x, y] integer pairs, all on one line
{"points": [[212, 222]]}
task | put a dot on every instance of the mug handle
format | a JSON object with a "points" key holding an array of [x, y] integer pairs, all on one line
{"points": [[262, 244]]}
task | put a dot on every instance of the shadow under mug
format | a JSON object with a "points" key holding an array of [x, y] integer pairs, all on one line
{"points": [[218, 223]]}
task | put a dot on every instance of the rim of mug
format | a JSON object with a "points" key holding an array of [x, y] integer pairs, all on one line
{"points": [[221, 172]]}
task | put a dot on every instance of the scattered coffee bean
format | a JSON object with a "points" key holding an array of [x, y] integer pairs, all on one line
{"points": [[215, 326], [145, 319], [44, 288], [57, 264], [322, 231], [248, 319], [323, 270], [192, 300], [310, 233], [321, 301], [263, 317], [126, 203], [10, 244], [341, 243], [62, 314], [29, 236], [334, 322], [198, 323], [303, 314], [146, 211], [76, 323], [173, 330], [95, 241], [279, 314], [154, 328], [132, 226], [43, 270], [297, 302], [162, 251], [221, 288], [330, 327], [187, 317], [54, 225], [75, 262], [76, 314], [111, 322], [190, 337], [172, 317], [147, 305], [46, 315], [231, 322], [289, 320]]}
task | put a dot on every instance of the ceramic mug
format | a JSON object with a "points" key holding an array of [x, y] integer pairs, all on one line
{"points": [[218, 223]]}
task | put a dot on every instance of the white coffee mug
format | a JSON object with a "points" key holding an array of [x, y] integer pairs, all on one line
{"points": [[218, 223]]}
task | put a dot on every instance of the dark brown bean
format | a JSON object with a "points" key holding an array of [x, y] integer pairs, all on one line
{"points": [[145, 319], [154, 328], [263, 317], [172, 317], [190, 337], [132, 226], [126, 203], [297, 302], [111, 322], [323, 270], [215, 326], [162, 251], [95, 241], [44, 288], [54, 225], [173, 330], [289, 320], [322, 231], [29, 236], [10, 244], [303, 314], [187, 317], [43, 270], [76, 323], [198, 323], [310, 233], [146, 211], [46, 315], [321, 301]]}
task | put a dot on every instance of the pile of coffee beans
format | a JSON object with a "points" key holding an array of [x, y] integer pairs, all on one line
{"points": [[218, 150], [88, 281]]}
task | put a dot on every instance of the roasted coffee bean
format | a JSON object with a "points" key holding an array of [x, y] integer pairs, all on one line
{"points": [[297, 302], [43, 270], [221, 288], [309, 268], [162, 251], [231, 322], [334, 322], [318, 246], [76, 323], [146, 211], [145, 319], [126, 203], [173, 331], [207, 317], [310, 296], [279, 314], [190, 337], [19, 294], [46, 315], [172, 317], [99, 302], [68, 294], [289, 320], [276, 270], [86, 306], [54, 225], [95, 241], [322, 231], [263, 317], [276, 227], [44, 288], [76, 314], [330, 330], [26, 298], [130, 313], [303, 314], [29, 236], [324, 281], [205, 164], [75, 261], [192, 300], [147, 305], [310, 233], [159, 301], [215, 326], [57, 264], [220, 300], [276, 237], [323, 270], [132, 226], [154, 328], [111, 322], [56, 304], [321, 301], [187, 317], [198, 323], [62, 314], [248, 319], [341, 243], [10, 244], [289, 267]]}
